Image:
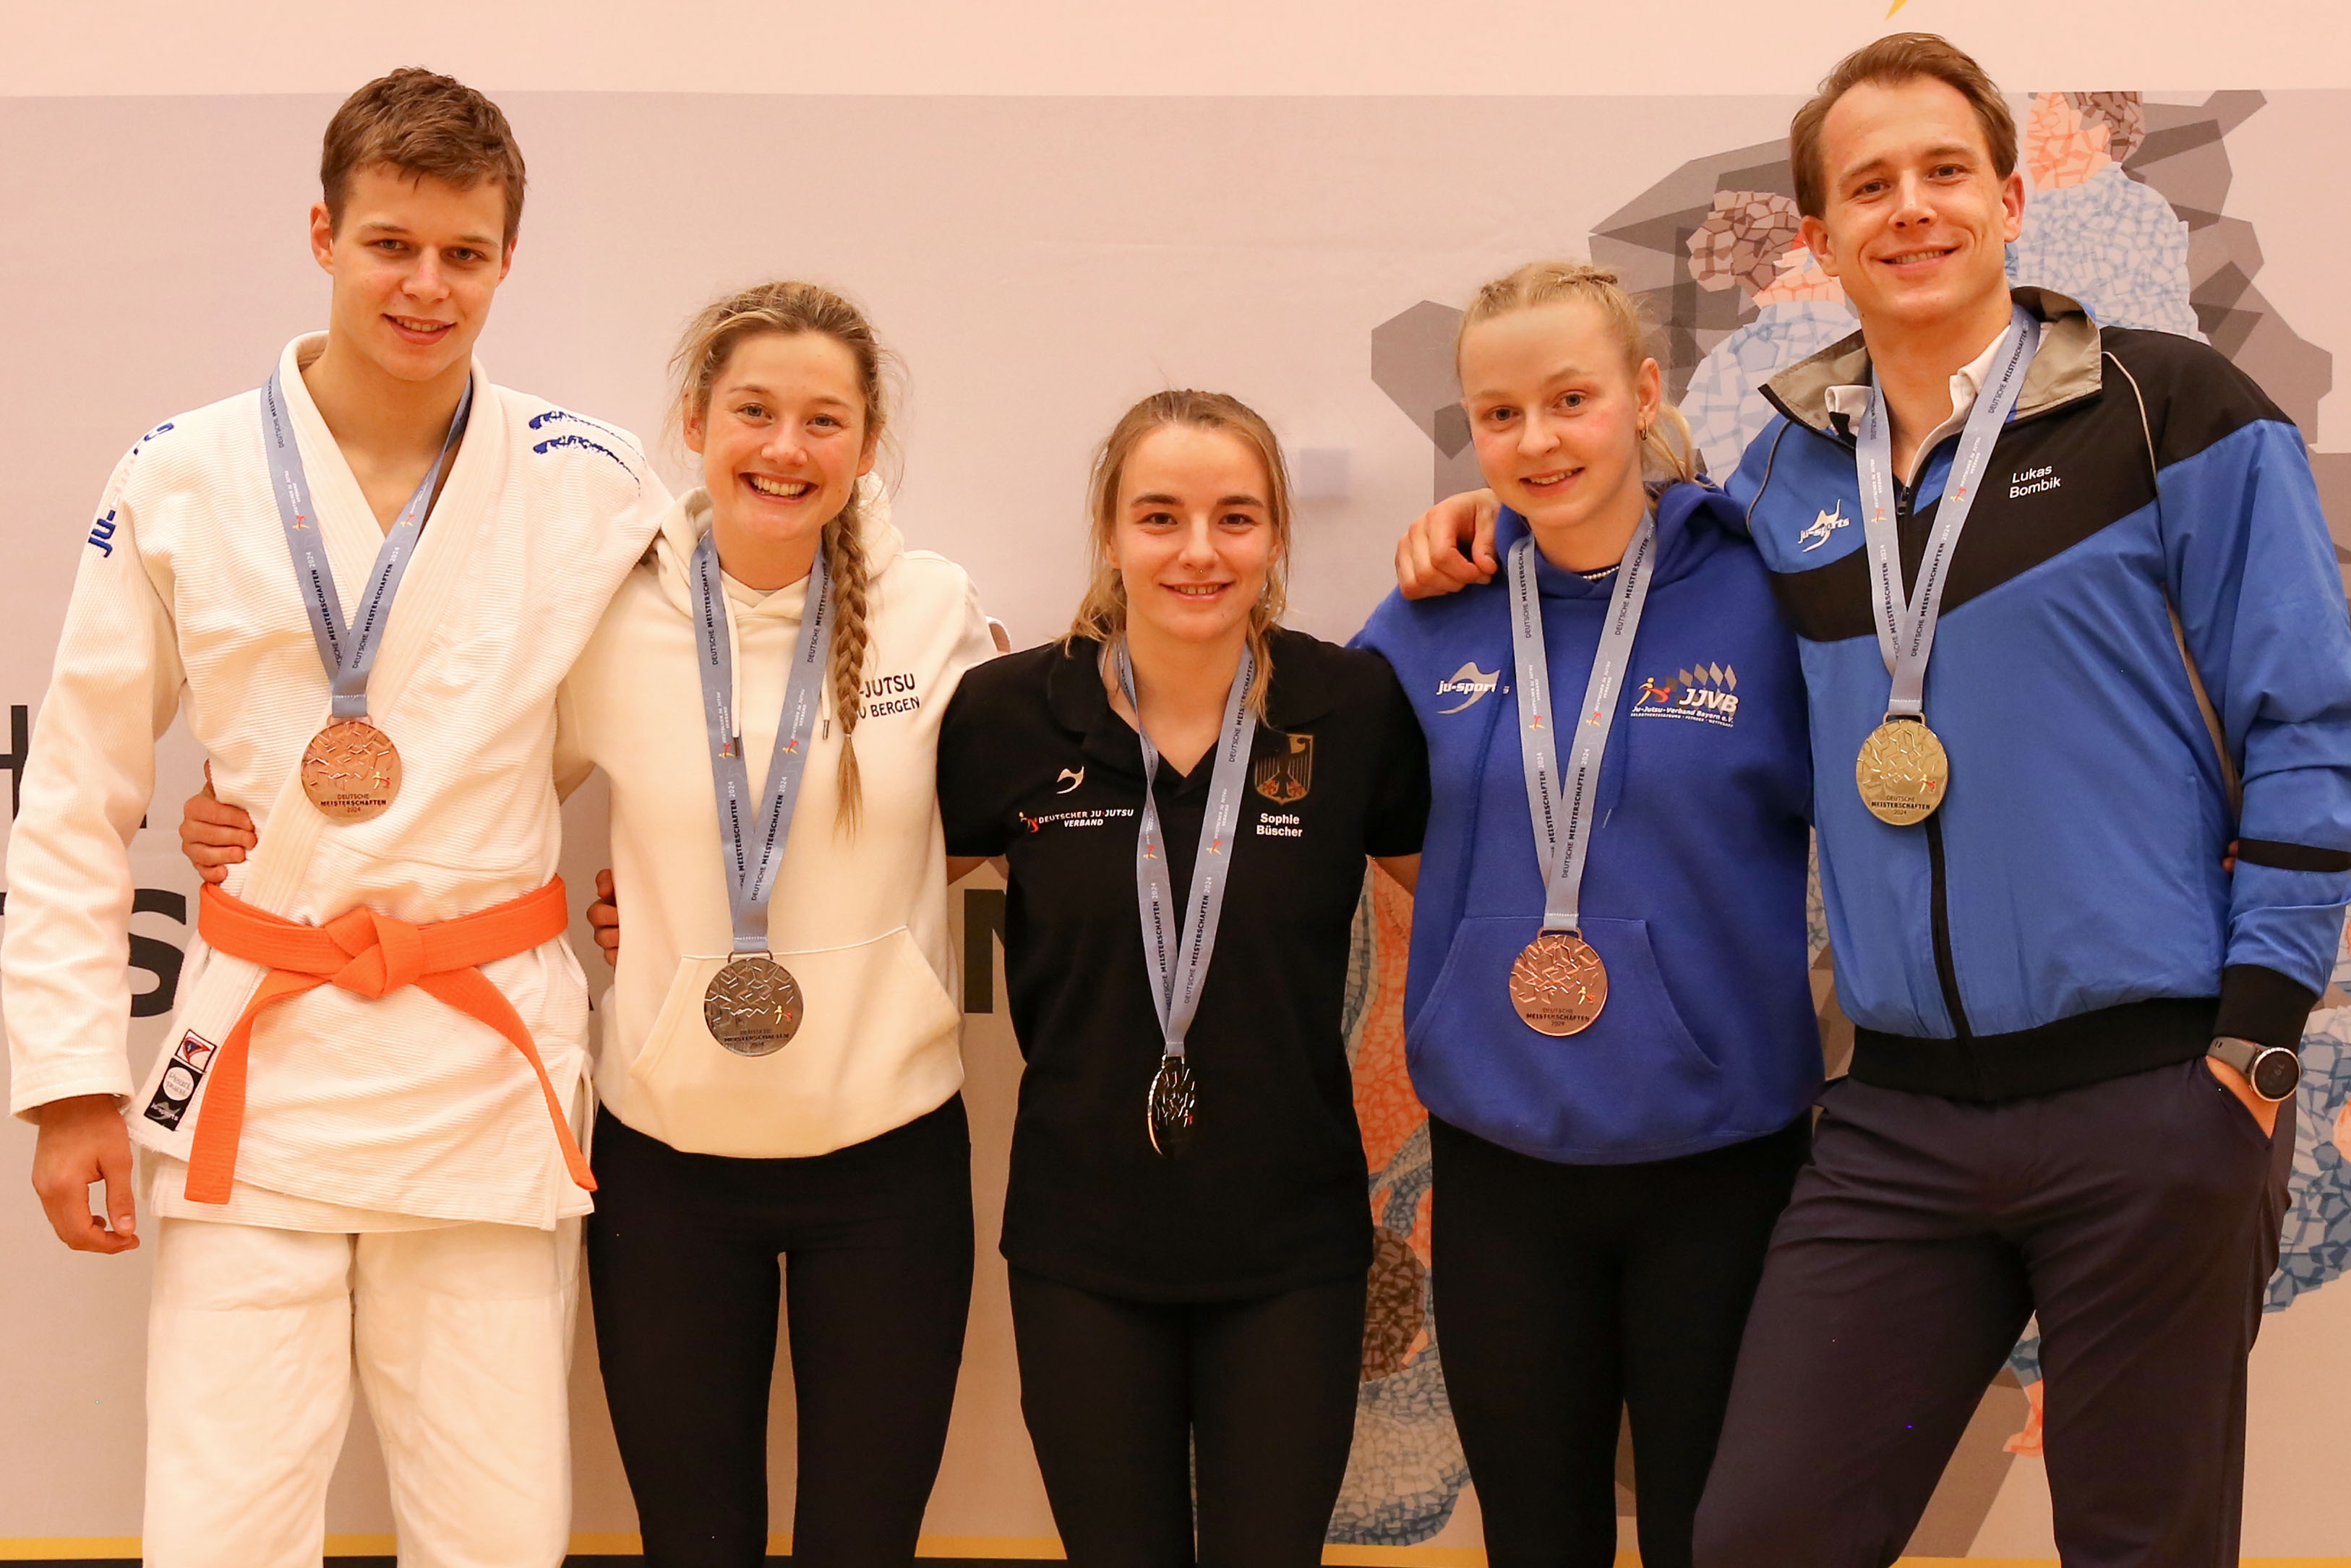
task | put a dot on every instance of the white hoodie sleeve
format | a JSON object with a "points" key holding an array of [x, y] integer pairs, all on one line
{"points": [[977, 645], [64, 974]]}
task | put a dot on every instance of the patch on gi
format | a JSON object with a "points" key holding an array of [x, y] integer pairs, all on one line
{"points": [[189, 1061], [1290, 773]]}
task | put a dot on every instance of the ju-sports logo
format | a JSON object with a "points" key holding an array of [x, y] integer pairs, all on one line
{"points": [[1468, 683], [101, 532], [1817, 533], [1708, 693], [563, 439]]}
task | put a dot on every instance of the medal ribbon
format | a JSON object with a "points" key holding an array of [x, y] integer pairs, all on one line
{"points": [[1561, 809], [1180, 958], [1906, 632], [751, 872], [348, 650]]}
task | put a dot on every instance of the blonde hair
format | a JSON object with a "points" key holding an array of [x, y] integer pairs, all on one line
{"points": [[1666, 445], [710, 340], [1102, 615]]}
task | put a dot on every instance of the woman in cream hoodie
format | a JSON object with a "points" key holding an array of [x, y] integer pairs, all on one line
{"points": [[845, 1152]]}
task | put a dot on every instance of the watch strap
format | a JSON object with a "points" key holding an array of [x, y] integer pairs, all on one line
{"points": [[2245, 1056]]}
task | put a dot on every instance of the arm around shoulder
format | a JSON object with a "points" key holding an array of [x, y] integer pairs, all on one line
{"points": [[1449, 547]]}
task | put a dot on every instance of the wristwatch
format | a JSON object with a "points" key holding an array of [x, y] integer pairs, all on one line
{"points": [[2272, 1070]]}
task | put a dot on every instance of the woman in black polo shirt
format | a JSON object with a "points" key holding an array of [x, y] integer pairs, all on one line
{"points": [[1187, 1222]]}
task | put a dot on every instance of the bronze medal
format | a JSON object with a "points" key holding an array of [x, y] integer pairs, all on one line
{"points": [[1559, 984], [1903, 772], [752, 1006], [350, 771]]}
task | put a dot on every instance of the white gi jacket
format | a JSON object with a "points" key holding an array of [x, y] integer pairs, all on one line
{"points": [[859, 919], [360, 1114]]}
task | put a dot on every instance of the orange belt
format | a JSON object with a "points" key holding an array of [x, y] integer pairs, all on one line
{"points": [[375, 955]]}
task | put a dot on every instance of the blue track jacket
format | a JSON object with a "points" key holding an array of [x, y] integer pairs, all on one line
{"points": [[2064, 919], [1694, 889]]}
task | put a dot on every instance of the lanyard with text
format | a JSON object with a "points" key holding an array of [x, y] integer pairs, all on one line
{"points": [[1178, 943], [1559, 984], [351, 769], [753, 1004], [1903, 772]]}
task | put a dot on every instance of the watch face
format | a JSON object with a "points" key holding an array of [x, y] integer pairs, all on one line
{"points": [[2275, 1074]]}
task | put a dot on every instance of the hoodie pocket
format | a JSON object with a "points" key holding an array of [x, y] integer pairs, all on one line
{"points": [[1635, 1086], [879, 1041]]}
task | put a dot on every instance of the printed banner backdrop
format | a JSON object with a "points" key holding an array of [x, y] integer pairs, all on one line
{"points": [[1038, 263]]}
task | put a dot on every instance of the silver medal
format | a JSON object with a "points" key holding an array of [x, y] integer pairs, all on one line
{"points": [[1172, 1103], [752, 1006], [1177, 943]]}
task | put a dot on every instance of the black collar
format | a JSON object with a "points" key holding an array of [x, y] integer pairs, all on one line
{"points": [[1301, 692]]}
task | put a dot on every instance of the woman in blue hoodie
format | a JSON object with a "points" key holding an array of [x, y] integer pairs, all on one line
{"points": [[1608, 1013]]}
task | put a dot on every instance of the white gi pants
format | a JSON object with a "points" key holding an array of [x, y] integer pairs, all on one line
{"points": [[461, 1339]]}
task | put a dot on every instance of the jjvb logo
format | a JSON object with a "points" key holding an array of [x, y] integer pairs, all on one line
{"points": [[1708, 693]]}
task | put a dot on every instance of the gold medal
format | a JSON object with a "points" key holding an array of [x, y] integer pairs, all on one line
{"points": [[752, 1006], [350, 771], [1559, 984], [1903, 772]]}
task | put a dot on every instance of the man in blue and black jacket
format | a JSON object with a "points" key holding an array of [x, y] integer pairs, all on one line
{"points": [[2076, 1012]]}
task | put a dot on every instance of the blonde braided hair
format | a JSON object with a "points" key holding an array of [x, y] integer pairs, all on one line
{"points": [[844, 558], [791, 307], [1666, 445]]}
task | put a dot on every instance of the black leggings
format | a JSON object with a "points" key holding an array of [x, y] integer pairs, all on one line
{"points": [[1569, 1296], [1124, 1398], [681, 1253]]}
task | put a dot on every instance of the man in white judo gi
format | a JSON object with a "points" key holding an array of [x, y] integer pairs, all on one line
{"points": [[358, 1143]]}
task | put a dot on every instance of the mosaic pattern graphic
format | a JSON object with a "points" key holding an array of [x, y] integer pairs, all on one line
{"points": [[1724, 412], [1799, 310], [1744, 241], [1406, 1471], [2115, 245], [2121, 186], [2124, 212], [2090, 230], [2316, 1242]]}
